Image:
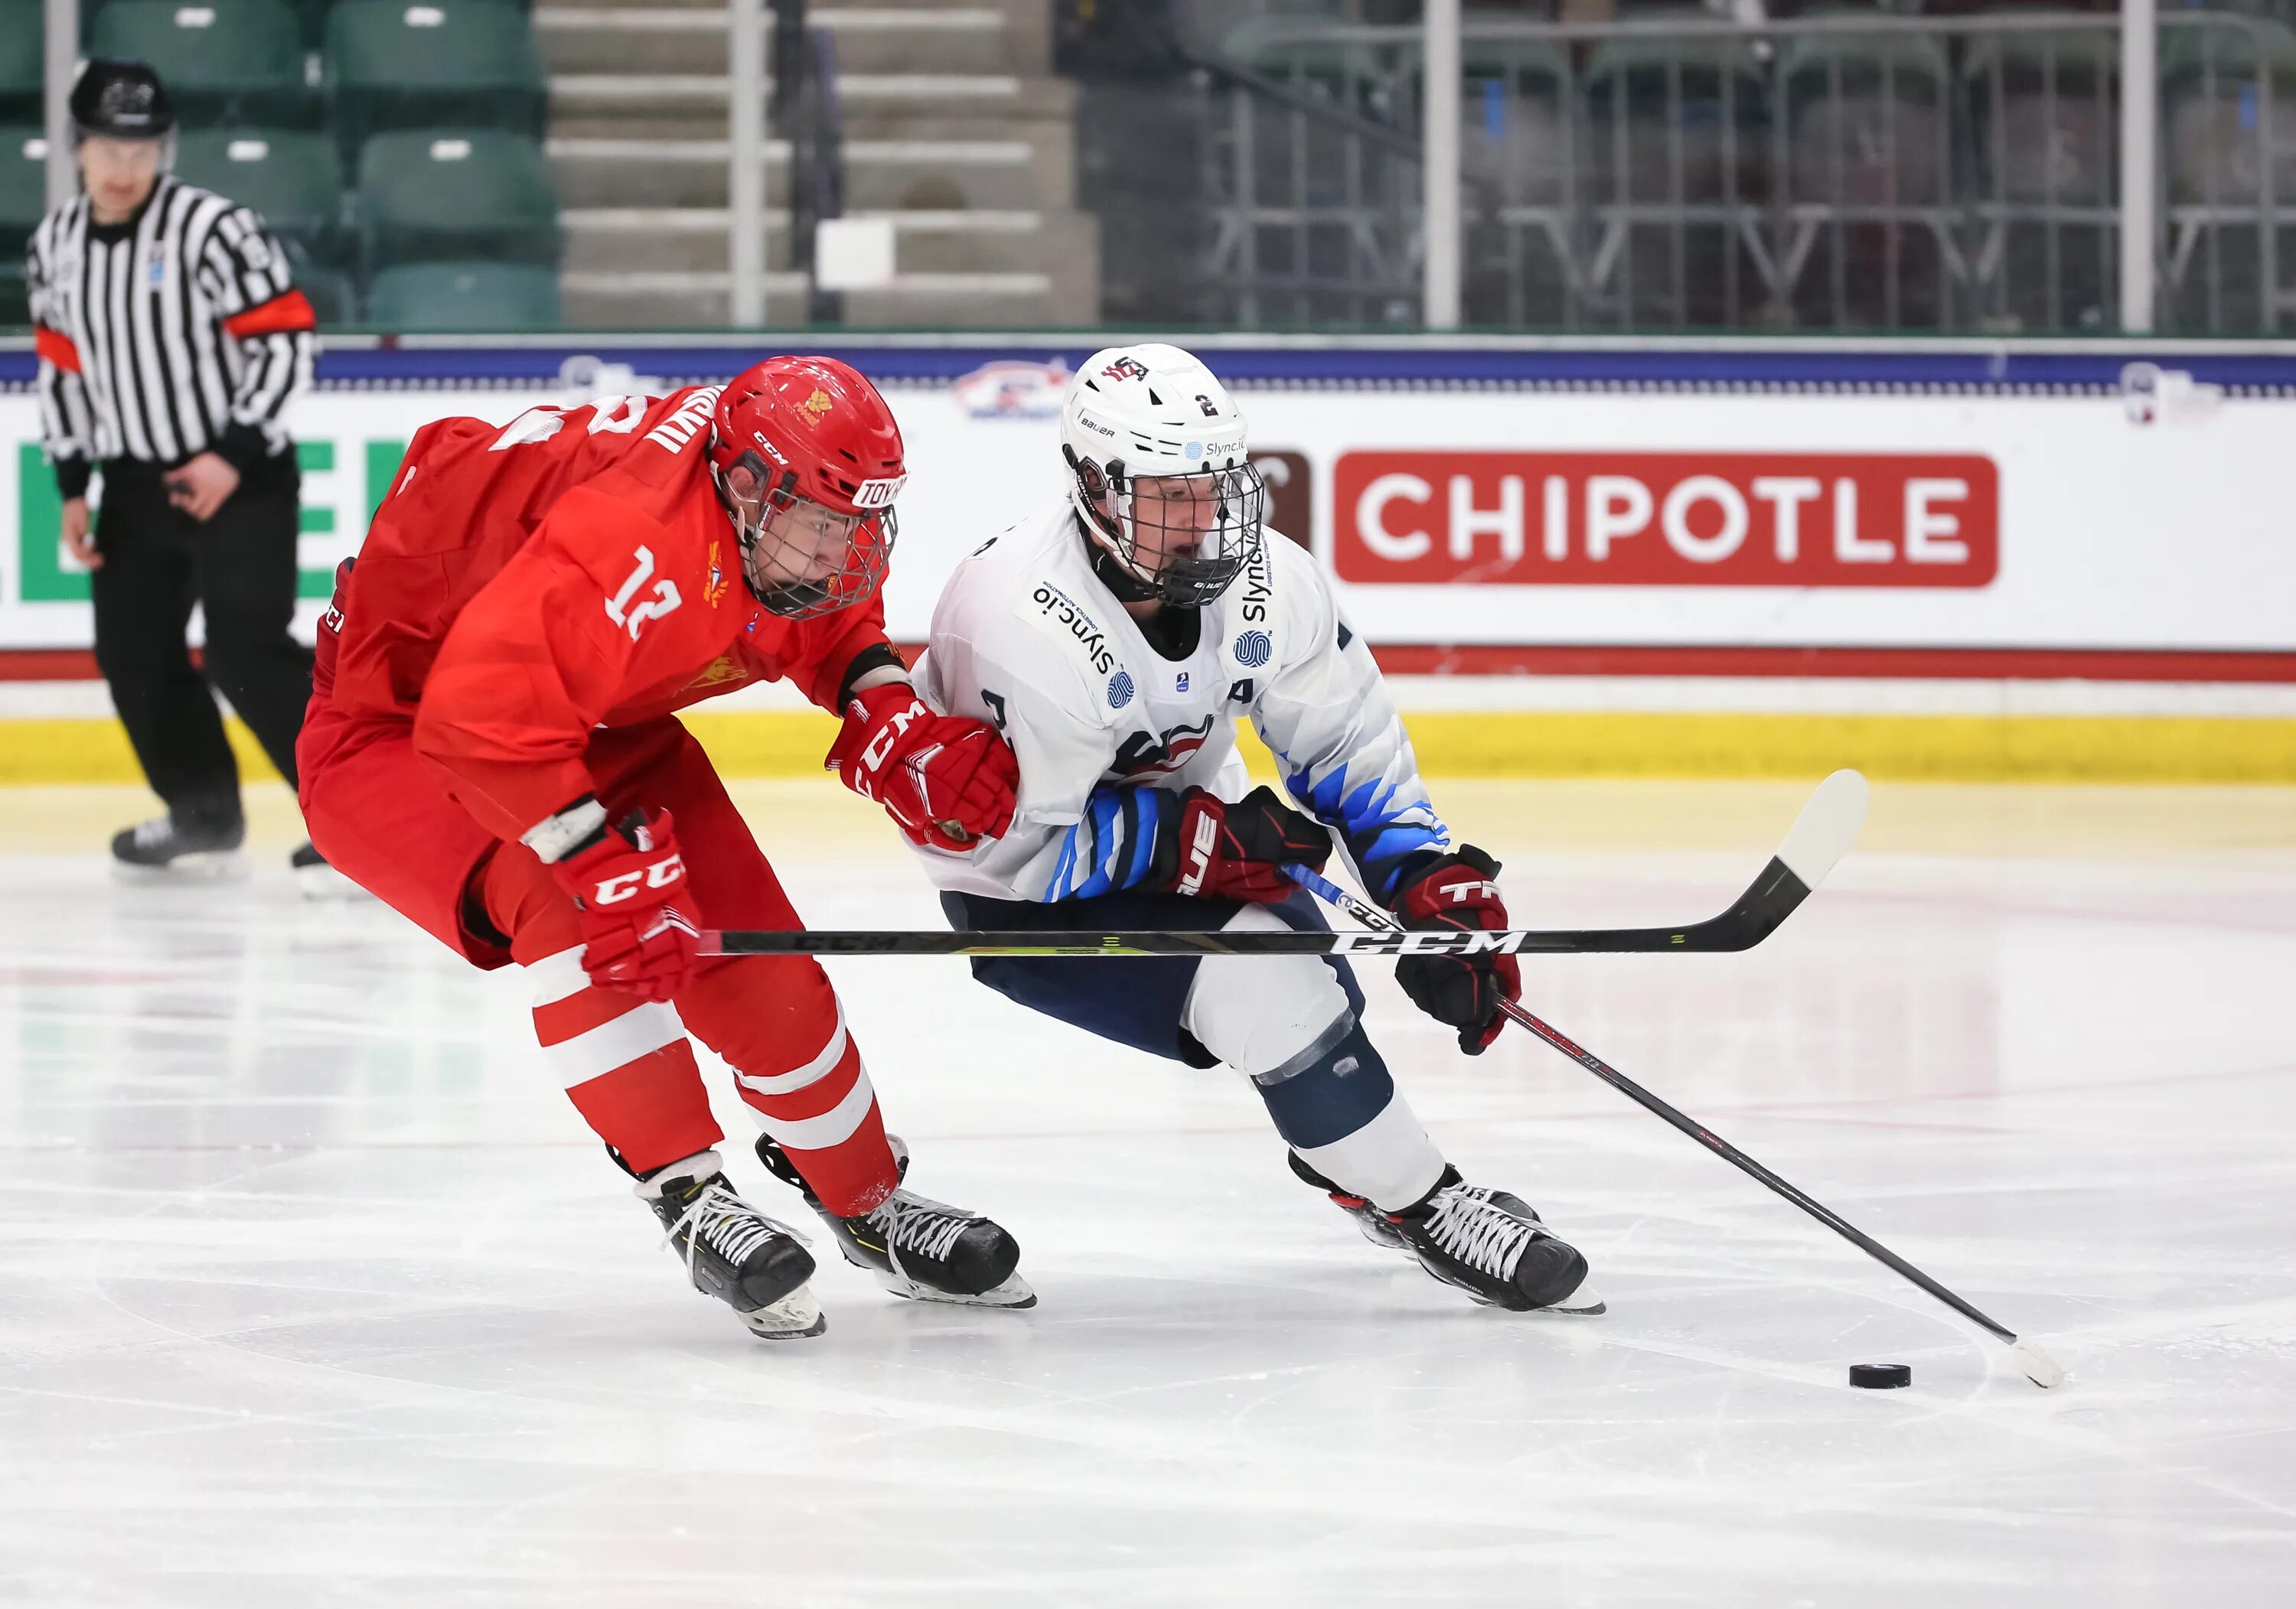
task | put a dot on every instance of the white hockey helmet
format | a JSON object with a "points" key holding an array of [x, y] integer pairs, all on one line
{"points": [[1155, 414]]}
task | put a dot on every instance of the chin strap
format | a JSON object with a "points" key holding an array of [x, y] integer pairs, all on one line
{"points": [[1114, 574]]}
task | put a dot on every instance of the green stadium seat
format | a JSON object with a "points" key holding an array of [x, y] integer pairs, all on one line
{"points": [[23, 202], [311, 19], [23, 187], [225, 62], [22, 64], [471, 193], [290, 177], [333, 295], [434, 63], [460, 296]]}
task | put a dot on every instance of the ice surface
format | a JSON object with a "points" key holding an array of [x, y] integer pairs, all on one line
{"points": [[313, 1290]]}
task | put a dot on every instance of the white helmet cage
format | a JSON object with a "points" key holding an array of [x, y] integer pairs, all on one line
{"points": [[1153, 412]]}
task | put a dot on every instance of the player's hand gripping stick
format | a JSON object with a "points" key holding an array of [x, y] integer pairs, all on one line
{"points": [[1236, 852], [1811, 857], [629, 883], [945, 780], [1459, 893]]}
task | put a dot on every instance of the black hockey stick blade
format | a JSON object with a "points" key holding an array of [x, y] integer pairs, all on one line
{"points": [[1825, 828], [1811, 852]]}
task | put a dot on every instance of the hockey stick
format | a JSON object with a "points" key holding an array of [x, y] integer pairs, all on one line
{"points": [[1827, 825], [2036, 1365]]}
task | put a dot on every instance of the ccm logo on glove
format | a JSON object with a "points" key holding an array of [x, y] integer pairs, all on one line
{"points": [[628, 882], [660, 874], [946, 782]]}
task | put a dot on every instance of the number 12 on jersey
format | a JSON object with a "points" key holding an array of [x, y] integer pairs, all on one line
{"points": [[618, 609]]}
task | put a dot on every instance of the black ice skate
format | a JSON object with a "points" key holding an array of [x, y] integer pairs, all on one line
{"points": [[317, 879], [1374, 1224], [918, 1248], [732, 1251], [200, 845], [1492, 1245]]}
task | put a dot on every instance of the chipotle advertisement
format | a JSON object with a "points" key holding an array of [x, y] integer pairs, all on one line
{"points": [[1804, 519]]}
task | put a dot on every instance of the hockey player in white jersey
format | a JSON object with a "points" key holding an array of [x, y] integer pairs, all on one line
{"points": [[1115, 638]]}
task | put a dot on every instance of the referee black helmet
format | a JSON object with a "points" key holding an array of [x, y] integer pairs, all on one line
{"points": [[121, 101]]}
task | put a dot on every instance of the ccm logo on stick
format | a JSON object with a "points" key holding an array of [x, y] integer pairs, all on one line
{"points": [[1669, 518]]}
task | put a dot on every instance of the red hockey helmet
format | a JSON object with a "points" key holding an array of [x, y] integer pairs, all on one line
{"points": [[807, 461]]}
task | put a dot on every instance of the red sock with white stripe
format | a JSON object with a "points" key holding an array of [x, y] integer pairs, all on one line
{"points": [[824, 1116], [626, 1063]]}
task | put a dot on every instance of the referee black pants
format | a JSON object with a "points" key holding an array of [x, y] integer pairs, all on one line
{"points": [[240, 568]]}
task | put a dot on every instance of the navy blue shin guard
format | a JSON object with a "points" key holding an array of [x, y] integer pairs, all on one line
{"points": [[1330, 1090]]}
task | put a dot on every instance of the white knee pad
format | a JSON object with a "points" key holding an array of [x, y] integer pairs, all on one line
{"points": [[1257, 1013]]}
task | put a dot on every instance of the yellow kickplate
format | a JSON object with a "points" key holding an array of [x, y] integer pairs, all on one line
{"points": [[1941, 748]]}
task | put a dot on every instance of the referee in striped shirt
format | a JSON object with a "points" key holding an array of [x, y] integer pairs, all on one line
{"points": [[170, 341]]}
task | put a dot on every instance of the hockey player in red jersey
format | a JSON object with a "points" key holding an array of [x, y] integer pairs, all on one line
{"points": [[490, 749]]}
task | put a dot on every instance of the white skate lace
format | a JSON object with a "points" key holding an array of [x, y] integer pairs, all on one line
{"points": [[912, 1223], [1484, 1237], [731, 1225]]}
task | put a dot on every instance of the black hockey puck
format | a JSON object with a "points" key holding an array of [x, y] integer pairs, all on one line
{"points": [[1880, 1376]]}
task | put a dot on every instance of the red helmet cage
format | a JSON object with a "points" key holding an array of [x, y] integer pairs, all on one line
{"points": [[815, 430]]}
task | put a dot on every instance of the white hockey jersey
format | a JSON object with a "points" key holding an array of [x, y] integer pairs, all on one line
{"points": [[1110, 730]]}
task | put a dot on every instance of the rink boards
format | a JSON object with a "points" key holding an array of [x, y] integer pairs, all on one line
{"points": [[1983, 561]]}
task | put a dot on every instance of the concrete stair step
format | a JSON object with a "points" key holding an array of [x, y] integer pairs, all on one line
{"points": [[875, 40], [866, 99], [675, 301], [642, 240], [940, 175]]}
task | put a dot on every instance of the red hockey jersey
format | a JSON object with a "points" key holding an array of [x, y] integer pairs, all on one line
{"points": [[521, 585]]}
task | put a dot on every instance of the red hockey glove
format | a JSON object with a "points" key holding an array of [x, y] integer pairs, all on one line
{"points": [[1459, 890], [945, 780], [1230, 852], [630, 884]]}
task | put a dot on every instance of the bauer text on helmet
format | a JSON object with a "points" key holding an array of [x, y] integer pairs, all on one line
{"points": [[1160, 474], [808, 462]]}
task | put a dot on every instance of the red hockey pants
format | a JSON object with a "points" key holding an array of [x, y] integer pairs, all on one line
{"points": [[383, 816]]}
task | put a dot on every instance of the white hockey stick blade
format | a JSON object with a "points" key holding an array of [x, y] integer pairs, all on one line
{"points": [[2036, 1365], [1826, 828]]}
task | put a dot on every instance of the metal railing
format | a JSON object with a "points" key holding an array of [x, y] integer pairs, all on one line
{"points": [[1835, 172], [801, 68]]}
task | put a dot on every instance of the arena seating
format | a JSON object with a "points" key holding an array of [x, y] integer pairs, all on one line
{"points": [[374, 135], [461, 63], [453, 196], [464, 295], [23, 200], [228, 63], [292, 176], [21, 61]]}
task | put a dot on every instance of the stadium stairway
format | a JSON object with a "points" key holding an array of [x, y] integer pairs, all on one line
{"points": [[955, 128]]}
